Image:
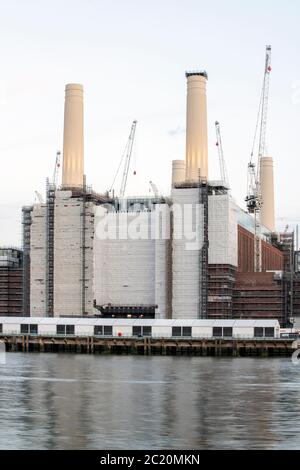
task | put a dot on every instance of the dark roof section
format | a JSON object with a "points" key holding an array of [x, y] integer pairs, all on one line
{"points": [[202, 73]]}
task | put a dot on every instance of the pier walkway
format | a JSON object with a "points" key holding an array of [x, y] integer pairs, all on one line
{"points": [[235, 347]]}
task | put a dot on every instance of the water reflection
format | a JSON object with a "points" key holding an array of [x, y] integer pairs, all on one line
{"points": [[60, 401]]}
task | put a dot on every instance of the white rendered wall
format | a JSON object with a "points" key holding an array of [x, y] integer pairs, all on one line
{"points": [[47, 329], [38, 261], [202, 331], [10, 328], [122, 330], [162, 331]]}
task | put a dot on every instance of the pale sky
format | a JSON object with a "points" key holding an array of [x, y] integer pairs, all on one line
{"points": [[131, 57]]}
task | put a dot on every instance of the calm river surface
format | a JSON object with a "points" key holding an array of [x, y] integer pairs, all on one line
{"points": [[62, 401]]}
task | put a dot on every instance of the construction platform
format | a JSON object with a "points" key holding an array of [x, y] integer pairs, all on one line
{"points": [[151, 346]]}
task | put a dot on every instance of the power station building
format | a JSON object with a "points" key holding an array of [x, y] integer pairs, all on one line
{"points": [[11, 285], [187, 255]]}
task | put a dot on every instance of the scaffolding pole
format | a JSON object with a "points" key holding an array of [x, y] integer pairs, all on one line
{"points": [[83, 249], [50, 205], [203, 253], [26, 221]]}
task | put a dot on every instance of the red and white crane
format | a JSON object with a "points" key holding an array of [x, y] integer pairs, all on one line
{"points": [[56, 168], [127, 155], [253, 198], [223, 171]]}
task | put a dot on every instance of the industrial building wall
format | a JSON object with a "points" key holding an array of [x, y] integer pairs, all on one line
{"points": [[296, 295], [26, 223], [221, 281], [272, 257], [222, 230], [187, 220], [68, 252], [161, 224], [89, 257], [38, 261], [129, 270], [222, 251], [259, 295], [11, 274]]}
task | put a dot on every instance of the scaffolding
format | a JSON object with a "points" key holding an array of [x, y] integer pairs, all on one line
{"points": [[11, 260], [186, 288], [26, 222], [83, 248], [50, 208], [287, 242], [203, 253], [221, 281], [169, 273], [259, 295]]}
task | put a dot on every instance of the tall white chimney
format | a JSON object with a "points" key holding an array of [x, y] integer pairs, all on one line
{"points": [[178, 171], [196, 127], [73, 153], [267, 193]]}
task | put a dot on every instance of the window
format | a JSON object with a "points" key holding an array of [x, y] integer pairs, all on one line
{"points": [[108, 331], [141, 330], [61, 329], [181, 331], [186, 331], [24, 329], [98, 330], [227, 331], [136, 330], [70, 329], [217, 331], [34, 329], [176, 331], [258, 332], [1, 328], [269, 332], [147, 330]]}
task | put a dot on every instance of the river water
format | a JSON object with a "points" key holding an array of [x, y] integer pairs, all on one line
{"points": [[65, 401]]}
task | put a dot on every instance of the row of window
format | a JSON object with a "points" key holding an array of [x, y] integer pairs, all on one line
{"points": [[29, 329], [181, 331], [177, 331], [259, 332], [141, 330], [225, 331]]}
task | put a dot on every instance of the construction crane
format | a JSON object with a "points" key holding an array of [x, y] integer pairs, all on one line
{"points": [[56, 168], [39, 197], [253, 198], [127, 154], [128, 158], [223, 171], [154, 188]]}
